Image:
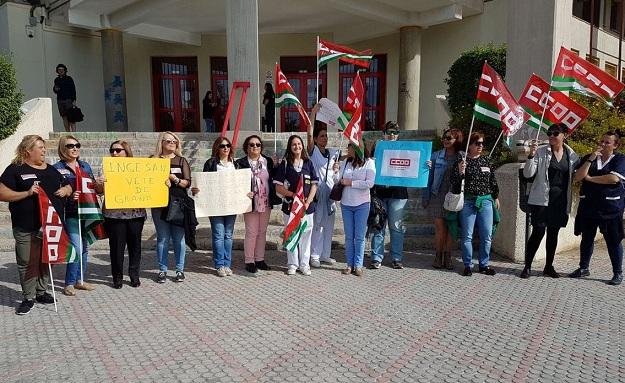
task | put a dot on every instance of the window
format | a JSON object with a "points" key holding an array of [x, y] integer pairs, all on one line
{"points": [[610, 69], [374, 81], [613, 15], [582, 9], [593, 60]]}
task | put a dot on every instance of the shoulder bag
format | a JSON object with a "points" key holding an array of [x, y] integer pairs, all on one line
{"points": [[454, 202]]}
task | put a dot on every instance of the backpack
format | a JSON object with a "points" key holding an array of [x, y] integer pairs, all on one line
{"points": [[377, 214]]}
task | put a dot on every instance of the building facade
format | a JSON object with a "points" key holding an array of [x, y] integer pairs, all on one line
{"points": [[146, 65]]}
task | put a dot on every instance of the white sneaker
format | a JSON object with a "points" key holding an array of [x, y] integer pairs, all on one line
{"points": [[305, 270], [222, 272], [291, 270], [328, 261], [228, 271], [315, 263]]}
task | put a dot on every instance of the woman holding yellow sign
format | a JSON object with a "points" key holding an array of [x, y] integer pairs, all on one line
{"points": [[168, 146]]}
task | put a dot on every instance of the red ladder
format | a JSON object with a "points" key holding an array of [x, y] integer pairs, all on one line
{"points": [[244, 86]]}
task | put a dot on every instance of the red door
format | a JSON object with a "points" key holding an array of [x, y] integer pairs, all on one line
{"points": [[175, 94], [304, 86]]}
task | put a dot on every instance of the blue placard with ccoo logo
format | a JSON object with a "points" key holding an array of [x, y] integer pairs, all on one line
{"points": [[402, 163]]}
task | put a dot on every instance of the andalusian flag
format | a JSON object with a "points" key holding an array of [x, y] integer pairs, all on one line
{"points": [[329, 52], [353, 108], [296, 225], [574, 73], [286, 96], [56, 247], [558, 107], [89, 209], [495, 104]]}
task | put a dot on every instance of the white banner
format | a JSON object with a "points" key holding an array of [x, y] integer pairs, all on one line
{"points": [[400, 163], [222, 193], [329, 113]]}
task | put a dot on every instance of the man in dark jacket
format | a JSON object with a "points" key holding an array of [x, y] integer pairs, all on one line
{"points": [[65, 95]]}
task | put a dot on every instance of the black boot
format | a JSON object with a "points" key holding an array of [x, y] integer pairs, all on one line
{"points": [[525, 273]]}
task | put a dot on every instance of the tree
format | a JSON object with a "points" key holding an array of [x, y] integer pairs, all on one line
{"points": [[10, 99], [462, 81], [602, 118]]}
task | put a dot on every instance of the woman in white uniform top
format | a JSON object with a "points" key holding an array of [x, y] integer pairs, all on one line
{"points": [[323, 221]]}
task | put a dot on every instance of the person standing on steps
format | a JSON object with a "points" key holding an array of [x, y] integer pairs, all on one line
{"points": [[323, 159], [551, 194], [601, 205], [65, 91], [208, 111], [394, 198], [440, 164], [20, 182]]}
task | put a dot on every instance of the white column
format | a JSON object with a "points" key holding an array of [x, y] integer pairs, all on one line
{"points": [[242, 40], [409, 77], [114, 80]]}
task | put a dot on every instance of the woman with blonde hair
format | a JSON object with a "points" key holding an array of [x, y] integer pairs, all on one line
{"points": [[169, 146], [124, 228], [26, 176], [68, 165]]}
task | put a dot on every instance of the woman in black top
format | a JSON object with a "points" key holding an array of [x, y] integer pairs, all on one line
{"points": [[65, 91], [27, 174], [269, 100], [480, 199]]}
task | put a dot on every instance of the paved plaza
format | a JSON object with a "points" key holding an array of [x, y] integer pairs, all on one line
{"points": [[416, 324]]}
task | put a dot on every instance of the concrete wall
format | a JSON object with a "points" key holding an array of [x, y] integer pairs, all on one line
{"points": [[443, 44], [36, 58], [36, 119]]}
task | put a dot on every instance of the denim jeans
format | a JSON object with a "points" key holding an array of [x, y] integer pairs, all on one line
{"points": [[164, 232], [355, 225], [210, 125], [395, 222], [221, 229], [468, 216], [72, 271]]}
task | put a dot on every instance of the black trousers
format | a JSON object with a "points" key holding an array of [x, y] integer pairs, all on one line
{"points": [[124, 232], [538, 232]]}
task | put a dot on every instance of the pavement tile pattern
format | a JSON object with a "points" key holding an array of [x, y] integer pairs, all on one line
{"points": [[412, 325]]}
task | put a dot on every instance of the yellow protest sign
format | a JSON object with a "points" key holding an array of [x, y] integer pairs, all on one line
{"points": [[135, 182]]}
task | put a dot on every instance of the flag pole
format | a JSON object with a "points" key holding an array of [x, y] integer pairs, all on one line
{"points": [[542, 116], [317, 87], [56, 310], [496, 142], [275, 115], [466, 151]]}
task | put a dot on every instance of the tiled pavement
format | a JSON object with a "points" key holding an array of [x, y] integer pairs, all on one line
{"points": [[416, 324]]}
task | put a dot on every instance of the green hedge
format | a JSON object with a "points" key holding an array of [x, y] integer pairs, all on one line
{"points": [[602, 118], [10, 98]]}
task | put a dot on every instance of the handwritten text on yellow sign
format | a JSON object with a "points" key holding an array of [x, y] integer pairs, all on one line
{"points": [[135, 182]]}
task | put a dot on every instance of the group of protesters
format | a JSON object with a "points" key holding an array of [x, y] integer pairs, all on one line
{"points": [[550, 168]]}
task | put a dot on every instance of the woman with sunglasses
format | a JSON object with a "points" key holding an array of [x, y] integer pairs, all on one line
{"points": [[434, 194], [262, 194], [124, 228], [357, 174], [26, 176], [394, 199], [69, 164], [169, 146], [601, 205], [295, 166], [480, 199], [550, 197], [222, 227], [323, 159]]}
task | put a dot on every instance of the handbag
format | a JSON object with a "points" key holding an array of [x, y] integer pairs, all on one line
{"points": [[174, 213], [454, 202], [337, 190], [75, 114]]}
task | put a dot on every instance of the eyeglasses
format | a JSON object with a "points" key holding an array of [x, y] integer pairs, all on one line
{"points": [[448, 138], [72, 146], [254, 144], [553, 133], [391, 133], [224, 146], [170, 141], [116, 150], [478, 143]]}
